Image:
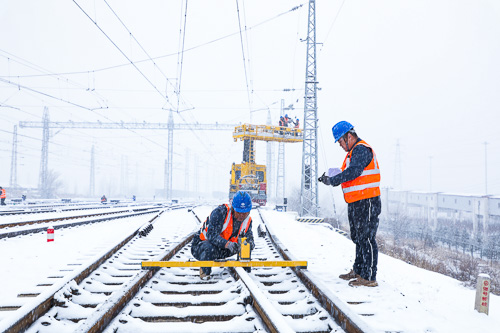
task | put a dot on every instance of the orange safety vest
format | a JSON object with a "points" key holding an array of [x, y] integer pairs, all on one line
{"points": [[367, 185], [227, 228], [3, 195]]}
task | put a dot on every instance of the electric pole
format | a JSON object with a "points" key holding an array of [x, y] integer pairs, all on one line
{"points": [[13, 161], [486, 168]]}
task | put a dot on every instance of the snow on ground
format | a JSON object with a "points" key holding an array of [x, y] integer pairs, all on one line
{"points": [[408, 299], [34, 215], [29, 260]]}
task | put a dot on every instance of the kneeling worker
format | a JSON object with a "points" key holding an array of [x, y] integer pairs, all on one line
{"points": [[218, 237]]}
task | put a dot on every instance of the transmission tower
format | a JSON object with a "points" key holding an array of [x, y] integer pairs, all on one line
{"points": [[186, 172], [269, 161], [398, 184], [309, 184], [92, 173], [44, 161], [13, 161], [168, 190]]}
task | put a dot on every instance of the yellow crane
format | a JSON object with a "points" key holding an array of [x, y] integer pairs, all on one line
{"points": [[249, 176]]}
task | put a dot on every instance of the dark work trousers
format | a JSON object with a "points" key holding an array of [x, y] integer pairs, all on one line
{"points": [[204, 250], [3, 202], [363, 222]]}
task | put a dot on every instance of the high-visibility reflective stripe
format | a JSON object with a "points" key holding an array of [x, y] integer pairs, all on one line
{"points": [[228, 217], [245, 223], [370, 172], [360, 187], [365, 185], [244, 226]]}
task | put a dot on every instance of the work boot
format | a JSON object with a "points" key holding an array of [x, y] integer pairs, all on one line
{"points": [[204, 276], [363, 283], [247, 269], [349, 276]]}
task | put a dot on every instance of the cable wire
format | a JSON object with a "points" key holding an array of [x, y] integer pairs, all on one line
{"points": [[181, 55], [244, 61], [123, 53]]}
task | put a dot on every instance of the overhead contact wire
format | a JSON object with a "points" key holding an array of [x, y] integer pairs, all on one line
{"points": [[123, 53]]}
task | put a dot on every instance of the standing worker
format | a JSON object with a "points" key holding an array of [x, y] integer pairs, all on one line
{"points": [[360, 179], [3, 195], [218, 236]]}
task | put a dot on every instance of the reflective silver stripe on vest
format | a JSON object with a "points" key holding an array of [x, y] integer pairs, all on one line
{"points": [[245, 223], [228, 218], [226, 223], [370, 172], [360, 187]]}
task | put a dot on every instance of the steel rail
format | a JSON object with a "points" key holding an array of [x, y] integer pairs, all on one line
{"points": [[345, 317], [22, 223], [34, 311], [67, 225]]}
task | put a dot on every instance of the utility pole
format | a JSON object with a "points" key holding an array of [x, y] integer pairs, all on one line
{"points": [[170, 154], [186, 172], [44, 161], [280, 175], [397, 169], [13, 161], [309, 184], [430, 173], [92, 173], [486, 168], [269, 160]]}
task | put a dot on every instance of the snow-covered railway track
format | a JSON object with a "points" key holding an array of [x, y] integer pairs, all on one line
{"points": [[19, 228], [268, 299], [42, 311], [177, 300], [121, 297]]}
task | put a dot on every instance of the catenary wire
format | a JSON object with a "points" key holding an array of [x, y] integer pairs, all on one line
{"points": [[170, 54], [243, 55], [123, 53]]}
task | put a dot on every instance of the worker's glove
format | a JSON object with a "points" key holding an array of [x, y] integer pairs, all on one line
{"points": [[324, 179], [232, 247]]}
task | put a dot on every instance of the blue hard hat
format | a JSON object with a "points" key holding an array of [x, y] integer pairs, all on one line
{"points": [[340, 129], [286, 116], [242, 203]]}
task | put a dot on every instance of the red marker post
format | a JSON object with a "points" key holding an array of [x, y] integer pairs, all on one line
{"points": [[483, 293], [50, 234]]}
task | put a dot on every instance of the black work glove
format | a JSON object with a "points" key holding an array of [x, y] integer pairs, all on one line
{"points": [[324, 179], [232, 247]]}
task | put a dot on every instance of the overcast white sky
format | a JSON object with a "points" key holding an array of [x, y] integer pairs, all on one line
{"points": [[423, 72]]}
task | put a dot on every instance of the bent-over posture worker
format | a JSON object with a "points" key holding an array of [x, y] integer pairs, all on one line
{"points": [[3, 195], [218, 236], [360, 179]]}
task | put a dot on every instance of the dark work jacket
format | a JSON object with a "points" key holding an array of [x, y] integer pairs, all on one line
{"points": [[361, 157], [216, 222]]}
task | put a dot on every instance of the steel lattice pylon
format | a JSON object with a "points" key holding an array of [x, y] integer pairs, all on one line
{"points": [[13, 161], [309, 184], [44, 161]]}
